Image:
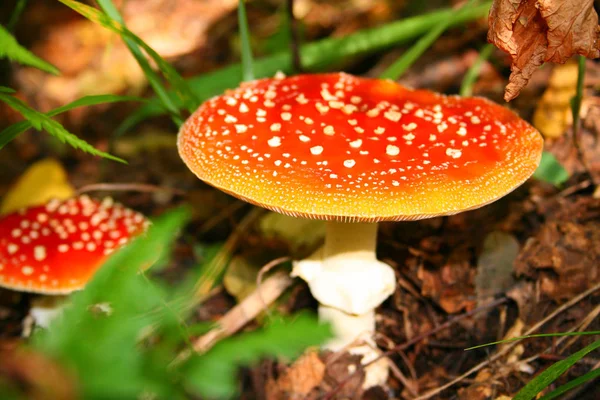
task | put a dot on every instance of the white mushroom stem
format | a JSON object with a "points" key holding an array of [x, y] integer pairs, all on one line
{"points": [[349, 283]]}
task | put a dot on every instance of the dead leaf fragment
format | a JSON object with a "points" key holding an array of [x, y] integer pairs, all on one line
{"points": [[553, 112], [536, 31], [495, 265], [564, 256], [35, 376], [299, 379], [44, 180]]}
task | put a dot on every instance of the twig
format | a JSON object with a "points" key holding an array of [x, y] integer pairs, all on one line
{"points": [[266, 268], [241, 314], [509, 346], [125, 187]]}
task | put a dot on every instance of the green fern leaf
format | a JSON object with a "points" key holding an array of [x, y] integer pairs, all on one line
{"points": [[13, 50], [41, 121]]}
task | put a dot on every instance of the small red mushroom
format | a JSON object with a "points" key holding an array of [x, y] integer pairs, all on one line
{"points": [[356, 151], [57, 248]]}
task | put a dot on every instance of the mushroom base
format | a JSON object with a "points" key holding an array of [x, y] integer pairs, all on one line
{"points": [[349, 283], [354, 333]]}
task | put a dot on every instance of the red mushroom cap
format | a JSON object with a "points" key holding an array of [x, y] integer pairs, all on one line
{"points": [[56, 248], [339, 147]]}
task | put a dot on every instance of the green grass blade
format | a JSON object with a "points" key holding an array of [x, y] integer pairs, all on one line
{"points": [[9, 47], [466, 87], [11, 132], [317, 55], [576, 101], [247, 63], [593, 374], [16, 14], [41, 121], [550, 170], [4, 89], [172, 76], [400, 66], [171, 104], [538, 335], [544, 379]]}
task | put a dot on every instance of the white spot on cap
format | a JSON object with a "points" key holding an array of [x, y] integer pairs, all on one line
{"points": [[27, 270], [392, 150], [12, 248], [329, 130], [275, 141], [63, 248], [304, 138], [230, 119], [349, 163], [462, 131], [454, 153], [241, 128], [286, 116], [356, 143], [276, 127], [393, 116], [39, 253], [316, 150]]}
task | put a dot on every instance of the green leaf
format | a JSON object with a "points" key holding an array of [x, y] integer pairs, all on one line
{"points": [[14, 130], [399, 67], [247, 62], [543, 380], [593, 374], [4, 89], [213, 374], [16, 14], [550, 170], [316, 56], [98, 335], [11, 49], [41, 121]]}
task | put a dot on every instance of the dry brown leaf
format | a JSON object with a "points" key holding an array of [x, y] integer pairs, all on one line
{"points": [[536, 31], [298, 380]]}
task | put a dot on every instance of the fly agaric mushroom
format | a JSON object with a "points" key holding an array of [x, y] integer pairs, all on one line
{"points": [[353, 152], [56, 248]]}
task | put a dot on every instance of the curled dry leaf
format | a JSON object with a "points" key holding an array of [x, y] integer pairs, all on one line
{"points": [[533, 32]]}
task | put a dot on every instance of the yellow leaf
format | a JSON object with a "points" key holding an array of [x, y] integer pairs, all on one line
{"points": [[44, 180], [553, 113]]}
